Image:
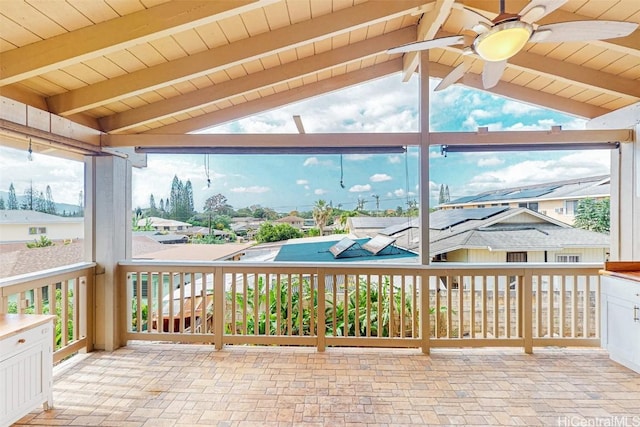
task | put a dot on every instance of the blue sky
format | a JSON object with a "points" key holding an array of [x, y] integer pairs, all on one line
{"points": [[288, 183]]}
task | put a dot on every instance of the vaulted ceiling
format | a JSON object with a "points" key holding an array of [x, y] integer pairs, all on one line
{"points": [[172, 67]]}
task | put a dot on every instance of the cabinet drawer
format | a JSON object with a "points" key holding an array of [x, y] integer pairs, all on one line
{"points": [[23, 340]]}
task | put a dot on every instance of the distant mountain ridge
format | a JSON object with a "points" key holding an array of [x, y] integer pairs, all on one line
{"points": [[61, 208]]}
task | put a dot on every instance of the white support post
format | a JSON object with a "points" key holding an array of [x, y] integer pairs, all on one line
{"points": [[625, 200], [424, 158], [108, 240]]}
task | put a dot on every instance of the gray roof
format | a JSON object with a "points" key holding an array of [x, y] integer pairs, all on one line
{"points": [[516, 229], [34, 217], [376, 222]]}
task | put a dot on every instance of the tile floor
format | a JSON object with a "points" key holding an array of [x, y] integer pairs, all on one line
{"points": [[184, 385]]}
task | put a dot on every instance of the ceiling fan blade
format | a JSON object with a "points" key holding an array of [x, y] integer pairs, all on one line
{"points": [[537, 9], [578, 31], [471, 18], [455, 75], [491, 73], [427, 44]]}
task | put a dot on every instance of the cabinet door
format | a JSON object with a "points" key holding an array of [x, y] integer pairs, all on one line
{"points": [[21, 376]]}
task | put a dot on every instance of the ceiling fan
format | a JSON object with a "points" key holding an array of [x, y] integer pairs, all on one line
{"points": [[496, 40]]}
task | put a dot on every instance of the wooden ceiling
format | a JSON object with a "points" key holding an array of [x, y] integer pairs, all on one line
{"points": [[172, 67]]}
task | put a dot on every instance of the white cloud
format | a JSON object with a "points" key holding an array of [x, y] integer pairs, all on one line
{"points": [[490, 161], [319, 191], [358, 188], [302, 182], [380, 177], [569, 166], [252, 189], [399, 192], [311, 161], [395, 159], [306, 187], [517, 108], [482, 114]]}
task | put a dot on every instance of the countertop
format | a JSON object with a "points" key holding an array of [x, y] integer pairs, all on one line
{"points": [[12, 324], [629, 270]]}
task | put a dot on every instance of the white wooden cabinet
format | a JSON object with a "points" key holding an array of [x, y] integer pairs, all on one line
{"points": [[620, 320], [26, 364]]}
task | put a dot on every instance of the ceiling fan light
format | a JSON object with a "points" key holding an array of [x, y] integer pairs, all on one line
{"points": [[502, 41]]}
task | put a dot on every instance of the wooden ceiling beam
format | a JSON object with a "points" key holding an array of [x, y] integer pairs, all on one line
{"points": [[280, 99], [523, 94], [113, 35], [428, 27], [199, 64], [252, 82]]}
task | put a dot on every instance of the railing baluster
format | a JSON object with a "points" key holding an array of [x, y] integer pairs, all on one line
{"points": [[472, 307], [550, 310], [449, 307], [334, 301], [345, 311], [245, 305], [392, 331], [368, 325], [256, 303], [562, 307], [403, 309], [461, 306], [539, 306], [181, 302], [300, 306], [507, 308], [485, 299], [267, 303], [414, 307], [496, 308], [597, 306], [356, 280], [574, 308], [585, 308], [64, 313], [278, 304], [289, 306], [379, 316]]}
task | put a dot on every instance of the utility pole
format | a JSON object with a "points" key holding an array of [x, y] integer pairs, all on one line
{"points": [[377, 197]]}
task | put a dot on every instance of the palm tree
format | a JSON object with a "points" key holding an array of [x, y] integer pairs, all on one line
{"points": [[321, 213]]}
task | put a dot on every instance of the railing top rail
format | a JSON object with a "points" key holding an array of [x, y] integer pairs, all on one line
{"points": [[43, 274], [443, 268]]}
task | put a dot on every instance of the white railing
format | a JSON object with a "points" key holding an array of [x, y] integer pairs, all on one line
{"points": [[66, 292], [323, 305]]}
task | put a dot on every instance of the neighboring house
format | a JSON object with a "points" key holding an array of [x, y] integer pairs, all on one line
{"points": [[162, 224], [500, 234], [27, 225], [557, 200], [246, 226], [194, 252], [294, 221], [164, 237]]}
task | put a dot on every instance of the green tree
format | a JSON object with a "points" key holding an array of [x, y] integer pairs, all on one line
{"points": [[29, 196], [593, 215], [80, 203], [12, 202], [39, 203], [321, 214], [216, 204], [153, 210], [441, 198], [1, 203], [50, 205], [269, 232], [447, 197], [187, 201]]}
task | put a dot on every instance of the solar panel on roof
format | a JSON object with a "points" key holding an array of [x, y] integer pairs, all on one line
{"points": [[340, 247], [440, 220], [378, 244]]}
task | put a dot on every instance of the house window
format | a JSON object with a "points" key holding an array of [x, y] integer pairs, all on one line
{"points": [[37, 230], [529, 205], [567, 258], [570, 207], [516, 257]]}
